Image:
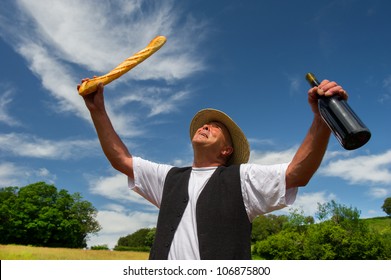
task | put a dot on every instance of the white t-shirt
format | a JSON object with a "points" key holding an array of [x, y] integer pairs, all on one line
{"points": [[263, 190]]}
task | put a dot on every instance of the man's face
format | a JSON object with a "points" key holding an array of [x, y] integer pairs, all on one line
{"points": [[212, 133]]}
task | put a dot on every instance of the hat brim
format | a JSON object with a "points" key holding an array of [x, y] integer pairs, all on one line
{"points": [[240, 144]]}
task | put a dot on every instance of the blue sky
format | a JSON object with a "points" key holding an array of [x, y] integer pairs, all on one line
{"points": [[247, 58]]}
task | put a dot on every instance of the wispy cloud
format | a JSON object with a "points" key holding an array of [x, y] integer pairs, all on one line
{"points": [[373, 169], [272, 157], [12, 174], [25, 145], [79, 35], [308, 202], [387, 83], [377, 192], [100, 36], [9, 174], [115, 187], [5, 100], [55, 77], [157, 100], [294, 84], [266, 142], [386, 96]]}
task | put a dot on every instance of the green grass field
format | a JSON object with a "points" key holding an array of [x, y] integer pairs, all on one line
{"points": [[17, 252], [380, 224]]}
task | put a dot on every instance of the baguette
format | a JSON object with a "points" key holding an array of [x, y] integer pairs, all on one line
{"points": [[90, 86]]}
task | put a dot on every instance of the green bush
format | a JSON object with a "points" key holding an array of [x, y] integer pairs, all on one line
{"points": [[100, 247], [141, 238], [341, 235]]}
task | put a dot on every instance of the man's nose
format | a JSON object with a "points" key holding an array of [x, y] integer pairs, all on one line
{"points": [[205, 127]]}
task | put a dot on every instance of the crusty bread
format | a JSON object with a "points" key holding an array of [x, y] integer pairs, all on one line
{"points": [[90, 86]]}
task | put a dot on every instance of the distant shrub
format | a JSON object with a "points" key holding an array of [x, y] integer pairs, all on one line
{"points": [[100, 247]]}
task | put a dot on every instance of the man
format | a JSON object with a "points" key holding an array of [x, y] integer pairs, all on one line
{"points": [[206, 210]]}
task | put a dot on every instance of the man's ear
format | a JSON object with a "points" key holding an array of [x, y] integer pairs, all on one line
{"points": [[227, 151]]}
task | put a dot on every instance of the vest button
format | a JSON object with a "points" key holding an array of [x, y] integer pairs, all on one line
{"points": [[172, 228], [185, 200]]}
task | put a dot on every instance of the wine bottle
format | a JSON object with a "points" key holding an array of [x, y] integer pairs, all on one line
{"points": [[347, 127]]}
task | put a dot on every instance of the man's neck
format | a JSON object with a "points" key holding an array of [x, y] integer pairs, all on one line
{"points": [[205, 158], [204, 161], [199, 164]]}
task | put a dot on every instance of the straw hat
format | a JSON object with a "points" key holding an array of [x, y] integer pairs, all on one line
{"points": [[240, 144]]}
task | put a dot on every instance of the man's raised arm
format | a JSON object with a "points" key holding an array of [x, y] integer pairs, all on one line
{"points": [[310, 153], [112, 145]]}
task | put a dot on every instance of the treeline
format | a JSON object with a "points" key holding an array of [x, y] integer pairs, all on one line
{"points": [[40, 215], [140, 240], [340, 234]]}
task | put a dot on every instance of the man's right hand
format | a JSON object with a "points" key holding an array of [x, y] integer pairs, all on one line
{"points": [[94, 101]]}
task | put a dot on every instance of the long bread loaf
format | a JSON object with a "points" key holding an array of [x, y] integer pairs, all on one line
{"points": [[90, 86]]}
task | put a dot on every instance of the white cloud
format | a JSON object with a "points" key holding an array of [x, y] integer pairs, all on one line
{"points": [[9, 174], [157, 100], [12, 174], [294, 84], [335, 154], [387, 83], [116, 188], [375, 169], [56, 78], [25, 145], [124, 122], [308, 202], [116, 222], [101, 36], [5, 100], [377, 192], [272, 157], [254, 141], [98, 37], [386, 96]]}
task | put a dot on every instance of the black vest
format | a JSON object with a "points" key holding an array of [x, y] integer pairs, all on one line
{"points": [[223, 227]]}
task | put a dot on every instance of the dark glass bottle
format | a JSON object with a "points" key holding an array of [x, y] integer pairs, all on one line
{"points": [[343, 122]]}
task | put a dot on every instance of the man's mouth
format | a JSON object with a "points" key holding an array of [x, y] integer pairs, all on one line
{"points": [[204, 134]]}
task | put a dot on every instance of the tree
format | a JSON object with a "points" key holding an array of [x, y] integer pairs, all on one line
{"points": [[285, 245], [339, 214], [340, 235], [150, 237], [297, 220], [343, 235], [331, 241], [265, 225], [140, 240], [387, 206], [39, 215]]}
